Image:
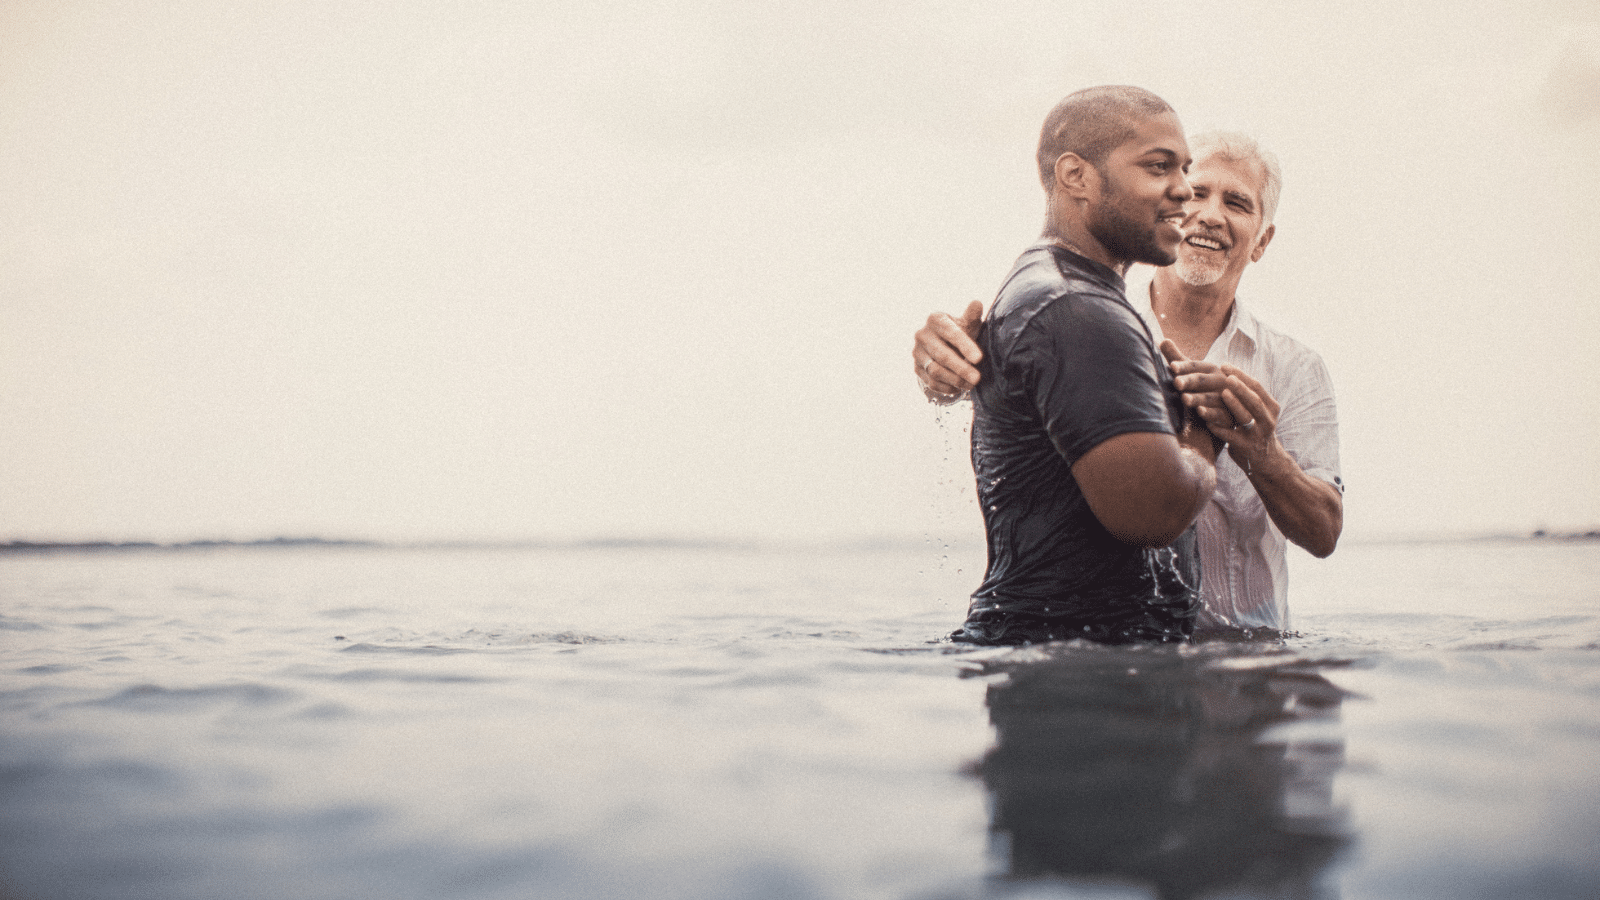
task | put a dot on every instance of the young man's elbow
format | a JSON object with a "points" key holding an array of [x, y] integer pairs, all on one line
{"points": [[1142, 488], [1154, 529]]}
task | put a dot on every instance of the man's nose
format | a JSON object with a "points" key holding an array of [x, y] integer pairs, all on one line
{"points": [[1181, 191], [1207, 211]]}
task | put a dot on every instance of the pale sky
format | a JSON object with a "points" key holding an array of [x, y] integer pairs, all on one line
{"points": [[506, 270]]}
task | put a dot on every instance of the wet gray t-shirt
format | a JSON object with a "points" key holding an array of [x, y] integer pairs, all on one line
{"points": [[1067, 365]]}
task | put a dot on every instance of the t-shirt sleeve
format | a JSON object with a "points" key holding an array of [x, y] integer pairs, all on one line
{"points": [[1092, 374]]}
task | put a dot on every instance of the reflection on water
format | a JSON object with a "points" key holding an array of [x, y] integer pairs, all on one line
{"points": [[724, 725], [1185, 772]]}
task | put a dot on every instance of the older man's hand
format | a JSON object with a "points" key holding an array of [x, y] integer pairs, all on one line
{"points": [[946, 353]]}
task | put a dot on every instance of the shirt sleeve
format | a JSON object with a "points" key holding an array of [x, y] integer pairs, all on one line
{"points": [[1308, 422], [1092, 373]]}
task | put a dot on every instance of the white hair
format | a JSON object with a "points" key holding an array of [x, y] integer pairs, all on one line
{"points": [[1236, 147]]}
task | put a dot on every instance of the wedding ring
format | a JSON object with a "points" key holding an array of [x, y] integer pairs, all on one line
{"points": [[1248, 425]]}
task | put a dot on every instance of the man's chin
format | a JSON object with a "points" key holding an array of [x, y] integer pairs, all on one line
{"points": [[1197, 276]]}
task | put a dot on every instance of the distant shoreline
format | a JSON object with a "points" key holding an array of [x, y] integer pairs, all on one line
{"points": [[338, 543], [181, 545], [1538, 534]]}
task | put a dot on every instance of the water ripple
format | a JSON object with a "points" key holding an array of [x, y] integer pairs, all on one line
{"points": [[155, 696], [425, 650]]}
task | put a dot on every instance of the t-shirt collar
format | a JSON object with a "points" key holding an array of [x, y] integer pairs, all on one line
{"points": [[1086, 266]]}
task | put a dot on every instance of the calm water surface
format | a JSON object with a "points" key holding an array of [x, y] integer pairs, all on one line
{"points": [[716, 723]]}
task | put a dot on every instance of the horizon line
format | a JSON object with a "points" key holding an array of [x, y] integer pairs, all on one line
{"points": [[678, 542]]}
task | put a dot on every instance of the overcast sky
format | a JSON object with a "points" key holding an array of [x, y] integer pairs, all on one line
{"points": [[506, 270]]}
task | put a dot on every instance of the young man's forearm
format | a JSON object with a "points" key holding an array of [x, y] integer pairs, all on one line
{"points": [[1147, 488]]}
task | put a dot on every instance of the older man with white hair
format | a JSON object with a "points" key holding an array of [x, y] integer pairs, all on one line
{"points": [[1268, 396]]}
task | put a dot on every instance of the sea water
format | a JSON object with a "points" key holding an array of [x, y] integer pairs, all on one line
{"points": [[698, 721]]}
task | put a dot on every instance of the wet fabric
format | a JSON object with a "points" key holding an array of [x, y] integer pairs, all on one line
{"points": [[1068, 364], [1244, 555]]}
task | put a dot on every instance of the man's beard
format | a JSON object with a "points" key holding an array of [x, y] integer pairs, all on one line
{"points": [[1126, 238], [1198, 272]]}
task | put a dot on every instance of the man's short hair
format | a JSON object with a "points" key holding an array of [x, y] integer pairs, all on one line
{"points": [[1235, 147], [1091, 123]]}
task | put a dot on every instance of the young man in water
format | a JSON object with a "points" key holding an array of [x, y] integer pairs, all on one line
{"points": [[1089, 471], [1280, 479]]}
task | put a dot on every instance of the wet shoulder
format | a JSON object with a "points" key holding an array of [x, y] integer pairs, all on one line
{"points": [[1040, 282]]}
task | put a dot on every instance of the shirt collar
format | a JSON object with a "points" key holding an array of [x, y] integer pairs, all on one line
{"points": [[1241, 323]]}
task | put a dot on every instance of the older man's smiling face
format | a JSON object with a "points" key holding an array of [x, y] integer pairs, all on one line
{"points": [[1222, 227]]}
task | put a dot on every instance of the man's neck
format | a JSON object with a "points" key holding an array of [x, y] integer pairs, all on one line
{"points": [[1192, 316], [1081, 242]]}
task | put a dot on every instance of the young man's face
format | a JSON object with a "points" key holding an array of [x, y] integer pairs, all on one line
{"points": [[1142, 191], [1222, 230]]}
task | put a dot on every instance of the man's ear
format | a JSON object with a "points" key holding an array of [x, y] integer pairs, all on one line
{"points": [[1261, 245], [1075, 177]]}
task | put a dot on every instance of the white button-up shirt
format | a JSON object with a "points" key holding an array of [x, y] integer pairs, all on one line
{"points": [[1243, 555]]}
